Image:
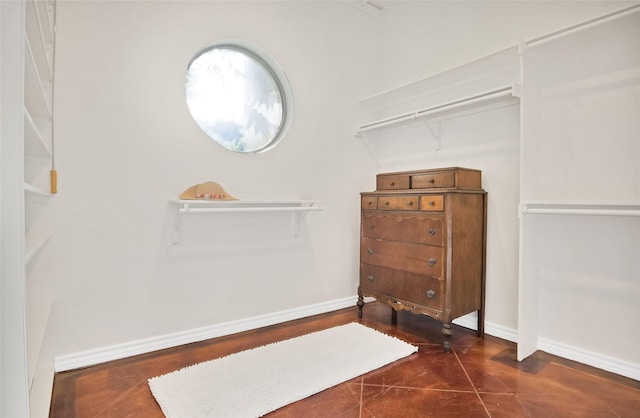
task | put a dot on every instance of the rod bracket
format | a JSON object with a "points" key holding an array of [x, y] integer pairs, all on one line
{"points": [[437, 130]]}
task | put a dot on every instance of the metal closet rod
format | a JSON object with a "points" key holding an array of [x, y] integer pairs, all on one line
{"points": [[597, 20], [491, 94]]}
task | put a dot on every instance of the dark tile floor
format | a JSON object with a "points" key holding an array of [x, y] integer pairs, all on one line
{"points": [[480, 378]]}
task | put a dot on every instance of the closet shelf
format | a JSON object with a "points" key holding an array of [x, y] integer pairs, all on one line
{"points": [[504, 93], [39, 30], [573, 208], [37, 90], [34, 249], [201, 206], [35, 192], [481, 85], [35, 144], [298, 207]]}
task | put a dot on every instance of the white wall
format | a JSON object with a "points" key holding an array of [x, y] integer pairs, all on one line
{"points": [[125, 144]]}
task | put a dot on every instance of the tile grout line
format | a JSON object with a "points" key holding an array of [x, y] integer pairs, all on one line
{"points": [[414, 387], [361, 394], [472, 385]]}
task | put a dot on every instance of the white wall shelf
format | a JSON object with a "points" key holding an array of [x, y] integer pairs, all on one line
{"points": [[37, 90], [573, 208], [487, 83], [37, 148], [36, 200], [500, 94], [33, 249], [297, 207], [35, 144], [40, 31], [35, 193]]}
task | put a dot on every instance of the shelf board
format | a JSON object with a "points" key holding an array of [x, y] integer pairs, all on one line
{"points": [[37, 90], [201, 206], [36, 193], [30, 188], [194, 206], [504, 94], [482, 85], [34, 145], [33, 249], [581, 208]]}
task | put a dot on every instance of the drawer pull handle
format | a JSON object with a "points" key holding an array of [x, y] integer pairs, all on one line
{"points": [[370, 251], [432, 231], [393, 183], [431, 261], [430, 293], [386, 203], [432, 181], [432, 203], [411, 203], [371, 278], [372, 227], [370, 203]]}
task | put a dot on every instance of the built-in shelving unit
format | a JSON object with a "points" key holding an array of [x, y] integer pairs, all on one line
{"points": [[35, 248], [39, 38], [26, 129], [581, 90], [297, 207]]}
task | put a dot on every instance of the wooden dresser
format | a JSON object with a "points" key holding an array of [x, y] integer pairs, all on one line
{"points": [[423, 244]]}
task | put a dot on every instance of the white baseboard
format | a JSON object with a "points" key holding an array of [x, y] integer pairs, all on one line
{"points": [[600, 361], [119, 351], [471, 321], [133, 348]]}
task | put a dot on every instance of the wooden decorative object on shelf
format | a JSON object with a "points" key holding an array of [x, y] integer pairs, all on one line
{"points": [[423, 244]]}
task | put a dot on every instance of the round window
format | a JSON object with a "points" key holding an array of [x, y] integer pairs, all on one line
{"points": [[238, 97]]}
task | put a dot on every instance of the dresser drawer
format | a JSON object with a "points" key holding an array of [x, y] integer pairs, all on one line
{"points": [[432, 203], [418, 229], [450, 178], [398, 203], [369, 202], [392, 182], [432, 180], [416, 258], [409, 287]]}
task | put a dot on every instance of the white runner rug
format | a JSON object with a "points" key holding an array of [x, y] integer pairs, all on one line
{"points": [[255, 382]]}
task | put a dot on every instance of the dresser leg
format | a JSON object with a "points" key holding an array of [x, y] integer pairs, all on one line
{"points": [[360, 304], [481, 323], [394, 316], [446, 331]]}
